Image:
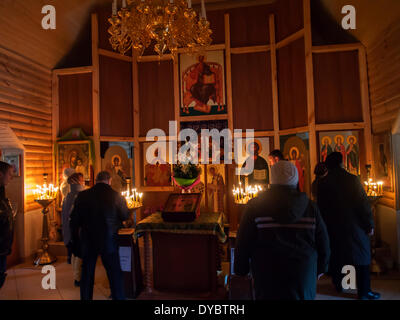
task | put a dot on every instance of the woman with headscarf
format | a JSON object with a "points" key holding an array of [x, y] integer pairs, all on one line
{"points": [[320, 172], [76, 183], [64, 188]]}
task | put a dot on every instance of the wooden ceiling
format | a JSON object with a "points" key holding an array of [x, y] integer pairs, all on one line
{"points": [[373, 17], [21, 31]]}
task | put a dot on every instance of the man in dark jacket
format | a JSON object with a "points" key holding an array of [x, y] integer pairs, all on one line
{"points": [[95, 220], [284, 238], [6, 220], [347, 213]]}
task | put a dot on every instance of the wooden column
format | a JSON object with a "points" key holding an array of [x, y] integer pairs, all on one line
{"points": [[274, 75], [55, 120], [96, 90], [362, 62], [136, 126], [176, 95], [310, 85], [228, 66]]}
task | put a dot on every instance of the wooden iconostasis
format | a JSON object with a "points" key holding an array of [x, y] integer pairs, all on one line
{"points": [[305, 100]]}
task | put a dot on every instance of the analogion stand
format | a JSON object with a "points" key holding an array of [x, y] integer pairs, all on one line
{"points": [[181, 258], [130, 263]]}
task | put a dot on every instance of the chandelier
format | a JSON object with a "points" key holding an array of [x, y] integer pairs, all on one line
{"points": [[168, 24]]}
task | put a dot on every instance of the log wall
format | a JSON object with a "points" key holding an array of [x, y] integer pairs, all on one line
{"points": [[26, 105], [384, 78]]}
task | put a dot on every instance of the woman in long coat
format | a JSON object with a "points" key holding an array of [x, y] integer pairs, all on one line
{"points": [[76, 183]]}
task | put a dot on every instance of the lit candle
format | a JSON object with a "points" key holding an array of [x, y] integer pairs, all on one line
{"points": [[380, 188]]}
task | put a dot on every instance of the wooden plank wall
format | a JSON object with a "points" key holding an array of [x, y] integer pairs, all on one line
{"points": [[292, 85], [75, 103], [25, 104], [116, 99], [337, 96], [156, 95], [250, 97], [384, 78]]}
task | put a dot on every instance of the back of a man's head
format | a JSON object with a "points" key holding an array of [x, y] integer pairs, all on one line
{"points": [[4, 166], [103, 177], [334, 160], [277, 153]]}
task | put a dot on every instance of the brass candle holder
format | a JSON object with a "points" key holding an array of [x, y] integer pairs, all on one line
{"points": [[45, 195], [243, 196], [134, 200], [374, 192]]}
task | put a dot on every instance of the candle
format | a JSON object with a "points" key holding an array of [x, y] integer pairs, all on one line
{"points": [[203, 10], [380, 187], [189, 3], [114, 8], [44, 192], [124, 4]]}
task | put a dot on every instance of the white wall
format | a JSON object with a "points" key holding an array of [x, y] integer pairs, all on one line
{"points": [[33, 232], [387, 224]]}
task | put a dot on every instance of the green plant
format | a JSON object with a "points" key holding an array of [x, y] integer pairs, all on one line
{"points": [[186, 171]]}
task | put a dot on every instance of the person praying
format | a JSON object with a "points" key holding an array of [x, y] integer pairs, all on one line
{"points": [[283, 240]]}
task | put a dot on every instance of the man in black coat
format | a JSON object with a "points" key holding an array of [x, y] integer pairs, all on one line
{"points": [[6, 220], [347, 213], [95, 220], [283, 239]]}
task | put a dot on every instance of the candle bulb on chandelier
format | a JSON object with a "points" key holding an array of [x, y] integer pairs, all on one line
{"points": [[203, 10], [114, 8]]}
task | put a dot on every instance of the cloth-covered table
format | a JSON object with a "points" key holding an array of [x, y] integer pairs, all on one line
{"points": [[206, 223], [181, 256]]}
